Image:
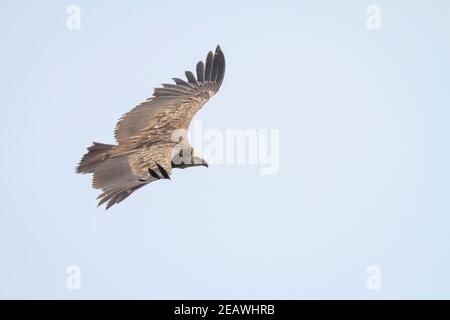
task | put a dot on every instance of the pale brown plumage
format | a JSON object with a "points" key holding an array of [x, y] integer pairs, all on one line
{"points": [[145, 145]]}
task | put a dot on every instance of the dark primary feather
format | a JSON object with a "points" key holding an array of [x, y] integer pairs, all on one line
{"points": [[200, 69], [219, 67], [183, 83], [191, 78], [209, 64]]}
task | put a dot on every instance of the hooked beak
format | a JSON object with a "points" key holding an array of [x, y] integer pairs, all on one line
{"points": [[205, 164]]}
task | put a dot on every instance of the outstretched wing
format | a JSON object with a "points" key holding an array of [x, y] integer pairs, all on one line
{"points": [[178, 101], [144, 135]]}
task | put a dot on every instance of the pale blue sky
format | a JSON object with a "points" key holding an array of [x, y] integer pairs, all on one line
{"points": [[364, 150]]}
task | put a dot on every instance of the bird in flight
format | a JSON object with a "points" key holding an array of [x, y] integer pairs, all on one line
{"points": [[147, 144]]}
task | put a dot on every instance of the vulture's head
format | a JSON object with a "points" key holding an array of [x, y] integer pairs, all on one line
{"points": [[189, 159]]}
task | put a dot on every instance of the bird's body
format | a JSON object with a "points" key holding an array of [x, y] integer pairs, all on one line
{"points": [[148, 147]]}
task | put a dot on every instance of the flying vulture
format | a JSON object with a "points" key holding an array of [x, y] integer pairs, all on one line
{"points": [[147, 148]]}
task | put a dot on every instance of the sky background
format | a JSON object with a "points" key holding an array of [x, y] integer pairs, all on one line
{"points": [[364, 175]]}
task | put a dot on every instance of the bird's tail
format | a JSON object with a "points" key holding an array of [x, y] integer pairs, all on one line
{"points": [[97, 153], [112, 175]]}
